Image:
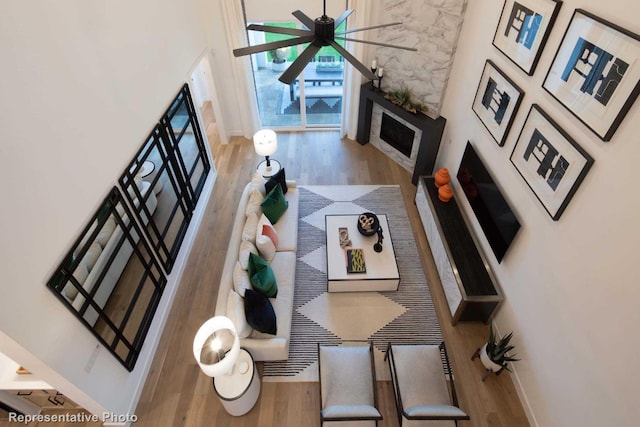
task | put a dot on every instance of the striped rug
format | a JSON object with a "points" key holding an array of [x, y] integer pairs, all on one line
{"points": [[406, 316]]}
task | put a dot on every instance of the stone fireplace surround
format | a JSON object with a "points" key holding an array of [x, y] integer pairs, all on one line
{"points": [[428, 132]]}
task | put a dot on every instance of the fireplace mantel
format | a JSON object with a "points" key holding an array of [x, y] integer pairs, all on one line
{"points": [[432, 129]]}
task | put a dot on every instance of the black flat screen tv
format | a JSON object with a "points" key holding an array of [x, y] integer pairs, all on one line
{"points": [[496, 218]]}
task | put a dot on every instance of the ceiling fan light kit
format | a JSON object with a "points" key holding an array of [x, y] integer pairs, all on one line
{"points": [[321, 32]]}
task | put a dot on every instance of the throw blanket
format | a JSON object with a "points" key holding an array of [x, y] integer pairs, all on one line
{"points": [[404, 317]]}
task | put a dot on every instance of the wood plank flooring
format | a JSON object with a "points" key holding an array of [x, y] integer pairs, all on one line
{"points": [[178, 394]]}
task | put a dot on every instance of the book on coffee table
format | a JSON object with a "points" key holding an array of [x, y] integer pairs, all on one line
{"points": [[355, 261]]}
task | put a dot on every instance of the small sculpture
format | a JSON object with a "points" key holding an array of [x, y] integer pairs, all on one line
{"points": [[366, 222]]}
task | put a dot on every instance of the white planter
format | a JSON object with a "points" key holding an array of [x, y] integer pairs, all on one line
{"points": [[279, 67], [488, 363]]}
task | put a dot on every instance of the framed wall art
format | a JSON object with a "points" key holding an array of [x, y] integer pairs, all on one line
{"points": [[596, 72], [551, 163], [497, 101], [523, 30]]}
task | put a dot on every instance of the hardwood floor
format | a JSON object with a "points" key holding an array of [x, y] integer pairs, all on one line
{"points": [[178, 394]]}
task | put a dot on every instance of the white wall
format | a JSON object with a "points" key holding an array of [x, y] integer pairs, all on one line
{"points": [[571, 286], [82, 85]]}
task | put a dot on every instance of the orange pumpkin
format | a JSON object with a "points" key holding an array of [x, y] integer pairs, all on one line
{"points": [[445, 193], [442, 177]]}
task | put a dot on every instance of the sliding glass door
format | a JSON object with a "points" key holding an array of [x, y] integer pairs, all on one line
{"points": [[314, 99]]}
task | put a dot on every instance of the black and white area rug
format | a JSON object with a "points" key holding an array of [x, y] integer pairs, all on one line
{"points": [[404, 317]]}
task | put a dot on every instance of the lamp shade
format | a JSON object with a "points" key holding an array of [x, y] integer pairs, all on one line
{"points": [[265, 142], [216, 346]]}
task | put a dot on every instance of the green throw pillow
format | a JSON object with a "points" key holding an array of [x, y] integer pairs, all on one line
{"points": [[261, 275], [274, 204]]}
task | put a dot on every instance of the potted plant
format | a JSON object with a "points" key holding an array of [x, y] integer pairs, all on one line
{"points": [[402, 98], [494, 355], [279, 62]]}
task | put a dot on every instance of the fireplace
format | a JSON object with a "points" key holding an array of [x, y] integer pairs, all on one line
{"points": [[420, 156], [396, 134]]}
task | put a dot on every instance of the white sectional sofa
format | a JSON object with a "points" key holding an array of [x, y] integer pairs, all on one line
{"points": [[264, 346]]}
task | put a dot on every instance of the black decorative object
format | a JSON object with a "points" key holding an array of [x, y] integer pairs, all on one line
{"points": [[320, 32], [368, 225], [595, 73], [552, 164], [497, 101], [523, 30]]}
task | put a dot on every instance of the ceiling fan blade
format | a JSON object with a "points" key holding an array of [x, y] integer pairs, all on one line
{"points": [[279, 30], [370, 28], [342, 17], [353, 60], [298, 65], [272, 45], [310, 23], [377, 44]]}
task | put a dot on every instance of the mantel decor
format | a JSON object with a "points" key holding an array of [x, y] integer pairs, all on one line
{"points": [[523, 30], [596, 72], [497, 101], [552, 164], [402, 98]]}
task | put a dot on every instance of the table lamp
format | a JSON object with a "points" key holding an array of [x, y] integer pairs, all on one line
{"points": [[216, 346], [265, 143]]}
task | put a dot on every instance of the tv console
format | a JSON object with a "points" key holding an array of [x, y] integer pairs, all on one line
{"points": [[467, 281]]}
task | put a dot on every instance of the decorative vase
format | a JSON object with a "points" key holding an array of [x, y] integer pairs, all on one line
{"points": [[487, 362], [442, 177], [445, 193]]}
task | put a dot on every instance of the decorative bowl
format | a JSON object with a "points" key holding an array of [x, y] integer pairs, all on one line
{"points": [[368, 224]]}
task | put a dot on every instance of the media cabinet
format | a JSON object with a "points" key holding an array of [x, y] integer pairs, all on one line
{"points": [[470, 289]]}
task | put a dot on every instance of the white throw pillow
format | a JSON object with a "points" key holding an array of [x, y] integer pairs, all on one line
{"points": [[266, 247], [92, 255], [106, 231], [257, 183], [254, 201], [235, 312], [80, 274], [249, 230], [246, 248], [241, 280], [269, 231]]}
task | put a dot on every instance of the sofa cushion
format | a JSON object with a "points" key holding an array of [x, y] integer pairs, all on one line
{"points": [[262, 278], [274, 205], [235, 312], [258, 182], [260, 313], [241, 281], [284, 268], [249, 229], [253, 204], [287, 226], [246, 248], [277, 179]]}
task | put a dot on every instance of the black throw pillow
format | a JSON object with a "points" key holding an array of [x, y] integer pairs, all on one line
{"points": [[276, 179], [259, 312]]}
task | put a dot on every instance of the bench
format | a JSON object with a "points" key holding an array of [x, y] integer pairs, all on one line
{"points": [[317, 92]]}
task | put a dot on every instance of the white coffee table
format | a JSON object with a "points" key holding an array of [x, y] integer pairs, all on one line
{"points": [[381, 267]]}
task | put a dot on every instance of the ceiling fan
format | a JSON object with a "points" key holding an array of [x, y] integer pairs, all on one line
{"points": [[321, 32]]}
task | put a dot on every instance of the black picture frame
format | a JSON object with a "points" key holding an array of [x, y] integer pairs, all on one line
{"points": [[523, 30], [552, 164], [497, 101], [600, 102]]}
